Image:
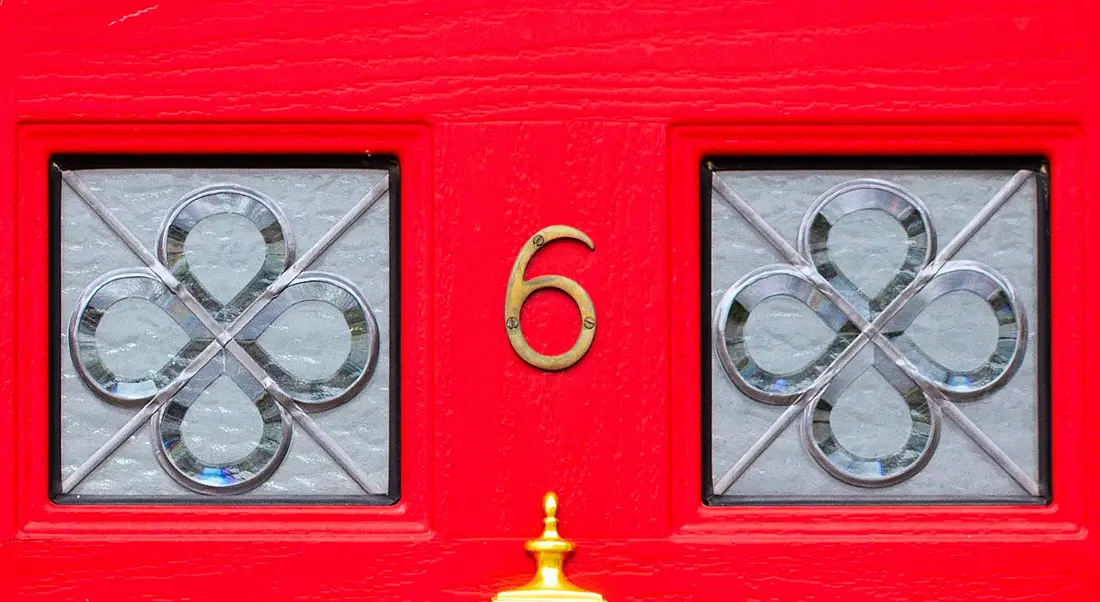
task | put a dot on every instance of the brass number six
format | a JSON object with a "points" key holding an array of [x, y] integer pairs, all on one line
{"points": [[519, 290]]}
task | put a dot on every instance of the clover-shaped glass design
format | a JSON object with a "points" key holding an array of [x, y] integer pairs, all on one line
{"points": [[866, 331], [225, 338]]}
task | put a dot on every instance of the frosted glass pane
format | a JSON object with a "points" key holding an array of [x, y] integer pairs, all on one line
{"points": [[860, 352], [213, 362]]}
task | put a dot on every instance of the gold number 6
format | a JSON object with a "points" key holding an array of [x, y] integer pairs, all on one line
{"points": [[519, 290]]}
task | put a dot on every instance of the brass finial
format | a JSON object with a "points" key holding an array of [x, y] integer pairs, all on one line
{"points": [[549, 551], [550, 540]]}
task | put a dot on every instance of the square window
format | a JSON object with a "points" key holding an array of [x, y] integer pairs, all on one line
{"points": [[226, 329], [876, 331]]}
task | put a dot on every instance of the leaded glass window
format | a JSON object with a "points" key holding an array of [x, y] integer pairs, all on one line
{"points": [[877, 331], [225, 330]]}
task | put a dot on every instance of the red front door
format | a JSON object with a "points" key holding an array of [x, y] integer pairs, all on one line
{"points": [[627, 125]]}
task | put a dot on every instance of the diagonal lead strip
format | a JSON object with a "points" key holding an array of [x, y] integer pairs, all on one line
{"points": [[764, 442], [789, 253], [338, 229], [991, 449], [952, 411], [92, 201], [311, 427], [758, 223], [100, 209], [139, 419], [869, 331], [223, 336], [948, 252], [983, 216]]}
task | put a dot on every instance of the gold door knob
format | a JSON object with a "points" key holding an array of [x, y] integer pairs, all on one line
{"points": [[549, 551]]}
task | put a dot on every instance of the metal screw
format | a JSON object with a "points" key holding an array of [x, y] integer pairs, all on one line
{"points": [[590, 322], [539, 240], [512, 323]]}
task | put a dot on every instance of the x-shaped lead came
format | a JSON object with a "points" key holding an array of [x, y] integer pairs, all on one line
{"points": [[224, 335], [871, 332]]}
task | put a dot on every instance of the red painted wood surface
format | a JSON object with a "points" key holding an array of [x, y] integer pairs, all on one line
{"points": [[509, 116]]}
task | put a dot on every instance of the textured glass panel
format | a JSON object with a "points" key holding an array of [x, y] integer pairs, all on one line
{"points": [[225, 335], [875, 336]]}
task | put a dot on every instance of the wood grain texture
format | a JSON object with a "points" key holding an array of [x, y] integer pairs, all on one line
{"points": [[533, 113], [8, 251], [1089, 288], [494, 59], [624, 571]]}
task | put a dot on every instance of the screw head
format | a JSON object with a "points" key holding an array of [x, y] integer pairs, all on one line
{"points": [[539, 240], [589, 322], [512, 323]]}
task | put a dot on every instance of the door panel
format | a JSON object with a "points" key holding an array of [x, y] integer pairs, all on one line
{"points": [[506, 118], [605, 431], [690, 144]]}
